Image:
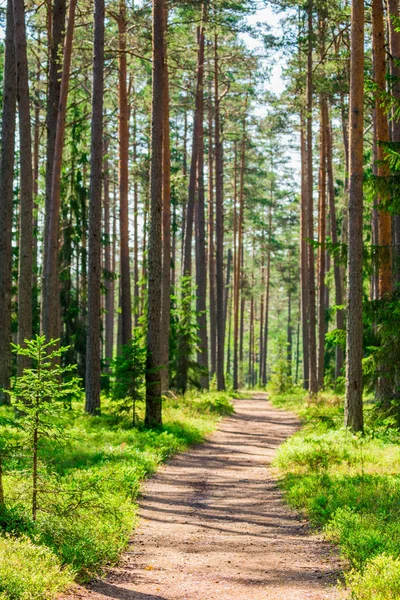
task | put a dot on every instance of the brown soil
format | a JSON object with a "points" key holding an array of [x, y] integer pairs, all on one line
{"points": [[214, 525]]}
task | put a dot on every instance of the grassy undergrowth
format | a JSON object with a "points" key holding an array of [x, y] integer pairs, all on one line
{"points": [[89, 486], [349, 485]]}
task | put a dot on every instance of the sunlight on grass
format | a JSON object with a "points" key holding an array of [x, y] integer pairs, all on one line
{"points": [[348, 485], [89, 486]]}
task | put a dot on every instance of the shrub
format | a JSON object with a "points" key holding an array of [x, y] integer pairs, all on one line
{"points": [[380, 579], [30, 572]]}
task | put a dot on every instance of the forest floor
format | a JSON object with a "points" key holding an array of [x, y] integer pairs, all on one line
{"points": [[214, 525]]}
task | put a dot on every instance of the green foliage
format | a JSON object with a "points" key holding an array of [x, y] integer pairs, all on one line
{"points": [[128, 373], [281, 379], [30, 572], [40, 395], [349, 486], [92, 481], [380, 579]]}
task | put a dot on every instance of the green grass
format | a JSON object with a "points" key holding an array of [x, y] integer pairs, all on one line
{"points": [[348, 485], [90, 484]]}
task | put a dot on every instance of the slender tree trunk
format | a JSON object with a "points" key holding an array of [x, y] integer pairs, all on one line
{"points": [[56, 30], [261, 337], [334, 237], [201, 261], [227, 286], [136, 299], [322, 245], [353, 416], [382, 136], [166, 266], [237, 265], [219, 225], [92, 388], [184, 342], [6, 202], [109, 282], [313, 384], [394, 63], [267, 297], [289, 333], [153, 416], [211, 247], [25, 265], [51, 292], [123, 134], [304, 262]]}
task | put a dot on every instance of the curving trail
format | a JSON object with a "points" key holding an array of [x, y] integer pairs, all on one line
{"points": [[214, 525]]}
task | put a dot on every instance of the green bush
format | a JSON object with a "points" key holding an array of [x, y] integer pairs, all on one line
{"points": [[30, 572], [348, 485], [380, 579], [91, 479]]}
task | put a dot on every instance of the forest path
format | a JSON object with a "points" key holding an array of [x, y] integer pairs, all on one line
{"points": [[214, 525]]}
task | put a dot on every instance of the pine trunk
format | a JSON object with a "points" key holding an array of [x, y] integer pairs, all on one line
{"points": [[92, 387], [353, 417], [153, 416], [123, 135], [6, 201]]}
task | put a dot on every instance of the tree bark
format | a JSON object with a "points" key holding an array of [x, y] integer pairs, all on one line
{"points": [[51, 292], [382, 137], [109, 282], [334, 236], [25, 263], [6, 201], [166, 233], [56, 30], [237, 266], [322, 246], [219, 174], [123, 134], [92, 388], [394, 50], [313, 383], [303, 260], [211, 246], [353, 416], [201, 262], [153, 416]]}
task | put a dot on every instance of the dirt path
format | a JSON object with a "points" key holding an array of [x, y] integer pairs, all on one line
{"points": [[214, 525]]}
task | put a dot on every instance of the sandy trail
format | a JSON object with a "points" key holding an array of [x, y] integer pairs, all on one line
{"points": [[214, 525]]}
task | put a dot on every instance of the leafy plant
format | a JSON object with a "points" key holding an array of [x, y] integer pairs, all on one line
{"points": [[128, 371], [39, 395]]}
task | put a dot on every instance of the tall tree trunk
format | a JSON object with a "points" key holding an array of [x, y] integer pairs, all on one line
{"points": [[237, 266], [201, 262], [166, 266], [394, 51], [219, 207], [227, 287], [184, 342], [123, 134], [313, 384], [334, 236], [382, 137], [56, 30], [304, 261], [25, 266], [136, 293], [322, 245], [109, 282], [267, 294], [211, 246], [153, 416], [92, 388], [51, 292], [6, 202], [353, 412]]}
